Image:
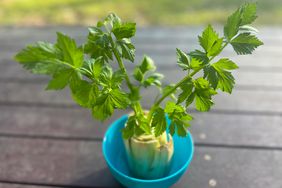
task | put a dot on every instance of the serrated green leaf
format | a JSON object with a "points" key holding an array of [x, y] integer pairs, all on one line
{"points": [[117, 78], [143, 125], [154, 79], [181, 130], [105, 78], [110, 79], [190, 99], [128, 130], [110, 21], [104, 109], [203, 94], [200, 56], [195, 64], [95, 66], [219, 76], [93, 94], [225, 64], [80, 90], [186, 92], [136, 125], [245, 43], [98, 45], [210, 41], [126, 49], [41, 51], [70, 52], [186, 118], [231, 28], [120, 99], [203, 104], [81, 93], [248, 12], [60, 79], [225, 79], [108, 101], [124, 30], [183, 60], [159, 122], [179, 118], [41, 58], [211, 75], [172, 107]]}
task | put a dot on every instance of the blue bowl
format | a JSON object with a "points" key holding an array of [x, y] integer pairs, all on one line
{"points": [[114, 154]]}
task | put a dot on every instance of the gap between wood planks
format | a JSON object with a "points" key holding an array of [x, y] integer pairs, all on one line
{"points": [[193, 111], [244, 87], [88, 139], [45, 184]]}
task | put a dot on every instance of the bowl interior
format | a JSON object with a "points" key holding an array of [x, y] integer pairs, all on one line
{"points": [[114, 150]]}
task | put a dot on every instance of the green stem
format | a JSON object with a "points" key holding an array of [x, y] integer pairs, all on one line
{"points": [[135, 106], [186, 78]]}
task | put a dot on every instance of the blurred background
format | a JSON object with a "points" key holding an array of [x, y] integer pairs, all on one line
{"points": [[145, 12], [46, 139]]}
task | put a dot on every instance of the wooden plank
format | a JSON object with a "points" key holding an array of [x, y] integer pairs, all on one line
{"points": [[17, 92], [233, 168], [165, 43], [259, 101], [56, 122], [242, 77], [254, 60], [167, 51], [78, 124], [158, 40], [246, 76], [14, 185], [268, 33], [246, 64], [54, 162], [81, 164]]}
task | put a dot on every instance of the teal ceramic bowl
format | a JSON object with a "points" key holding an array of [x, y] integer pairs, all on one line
{"points": [[114, 154]]}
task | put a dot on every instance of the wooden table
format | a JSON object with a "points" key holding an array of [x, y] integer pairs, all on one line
{"points": [[48, 141]]}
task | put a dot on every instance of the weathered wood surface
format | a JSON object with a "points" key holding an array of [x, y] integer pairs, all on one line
{"points": [[22, 185], [258, 76], [47, 140], [76, 123], [80, 163], [240, 100]]}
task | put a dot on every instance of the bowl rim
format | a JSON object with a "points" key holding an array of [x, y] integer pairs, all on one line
{"points": [[137, 179]]}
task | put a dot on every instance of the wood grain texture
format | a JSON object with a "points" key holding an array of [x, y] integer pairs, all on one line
{"points": [[54, 162], [246, 76], [155, 41], [240, 100], [154, 33], [80, 163], [74, 124], [253, 63], [48, 141], [26, 185]]}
